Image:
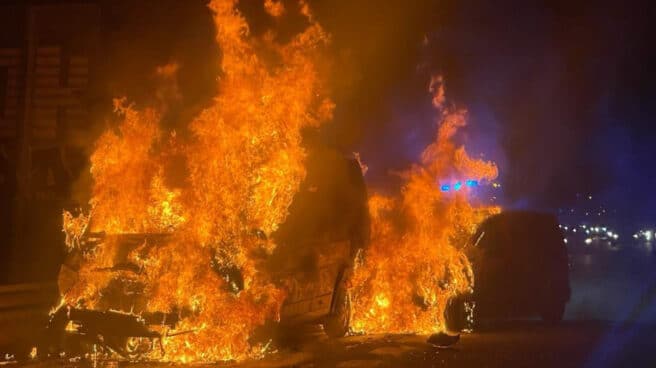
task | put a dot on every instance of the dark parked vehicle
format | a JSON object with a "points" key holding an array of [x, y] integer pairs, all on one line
{"points": [[520, 267]]}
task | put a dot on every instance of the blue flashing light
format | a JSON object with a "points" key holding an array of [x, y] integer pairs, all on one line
{"points": [[445, 187], [457, 186], [471, 183]]}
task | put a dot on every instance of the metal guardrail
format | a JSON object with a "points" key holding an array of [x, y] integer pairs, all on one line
{"points": [[27, 296]]}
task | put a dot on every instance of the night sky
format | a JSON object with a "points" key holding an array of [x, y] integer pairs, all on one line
{"points": [[560, 93]]}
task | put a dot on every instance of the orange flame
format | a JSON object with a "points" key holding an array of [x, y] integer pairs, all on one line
{"points": [[413, 266], [243, 163]]}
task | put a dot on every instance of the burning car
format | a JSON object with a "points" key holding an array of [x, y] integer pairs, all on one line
{"points": [[197, 219], [326, 228], [520, 265]]}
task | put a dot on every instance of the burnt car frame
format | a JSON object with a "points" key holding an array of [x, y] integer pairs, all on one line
{"points": [[326, 228]]}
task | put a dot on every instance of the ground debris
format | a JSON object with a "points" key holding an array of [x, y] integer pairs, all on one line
{"points": [[442, 339], [83, 332]]}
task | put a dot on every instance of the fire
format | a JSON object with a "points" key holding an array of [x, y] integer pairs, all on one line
{"points": [[243, 164], [183, 222], [413, 265]]}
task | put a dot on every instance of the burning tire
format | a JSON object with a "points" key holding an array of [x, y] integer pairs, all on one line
{"points": [[138, 347], [338, 321]]}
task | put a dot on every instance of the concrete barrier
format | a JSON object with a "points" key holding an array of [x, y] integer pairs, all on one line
{"points": [[24, 312], [27, 296]]}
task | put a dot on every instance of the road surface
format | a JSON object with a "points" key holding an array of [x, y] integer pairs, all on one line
{"points": [[519, 344], [615, 285]]}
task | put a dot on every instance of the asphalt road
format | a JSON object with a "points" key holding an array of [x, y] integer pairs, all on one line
{"points": [[615, 285], [520, 344], [525, 344]]}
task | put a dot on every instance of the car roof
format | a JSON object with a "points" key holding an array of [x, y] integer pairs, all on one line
{"points": [[521, 219], [521, 230]]}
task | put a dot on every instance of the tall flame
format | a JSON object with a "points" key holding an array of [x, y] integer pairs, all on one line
{"points": [[243, 163], [413, 265]]}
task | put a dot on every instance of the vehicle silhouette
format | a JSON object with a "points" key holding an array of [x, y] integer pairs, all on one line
{"points": [[520, 265]]}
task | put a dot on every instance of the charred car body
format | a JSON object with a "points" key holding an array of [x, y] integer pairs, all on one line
{"points": [[327, 226], [520, 266]]}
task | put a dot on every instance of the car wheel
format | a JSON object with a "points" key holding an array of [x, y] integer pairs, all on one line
{"points": [[454, 315], [459, 314], [553, 313], [138, 347], [337, 322]]}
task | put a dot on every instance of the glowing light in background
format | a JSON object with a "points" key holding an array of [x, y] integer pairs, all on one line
{"points": [[469, 183]]}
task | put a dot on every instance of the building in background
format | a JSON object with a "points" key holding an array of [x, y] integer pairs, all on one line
{"points": [[47, 53]]}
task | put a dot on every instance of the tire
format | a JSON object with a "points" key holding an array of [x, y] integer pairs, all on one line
{"points": [[554, 313], [337, 323], [454, 315], [459, 314], [138, 347]]}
